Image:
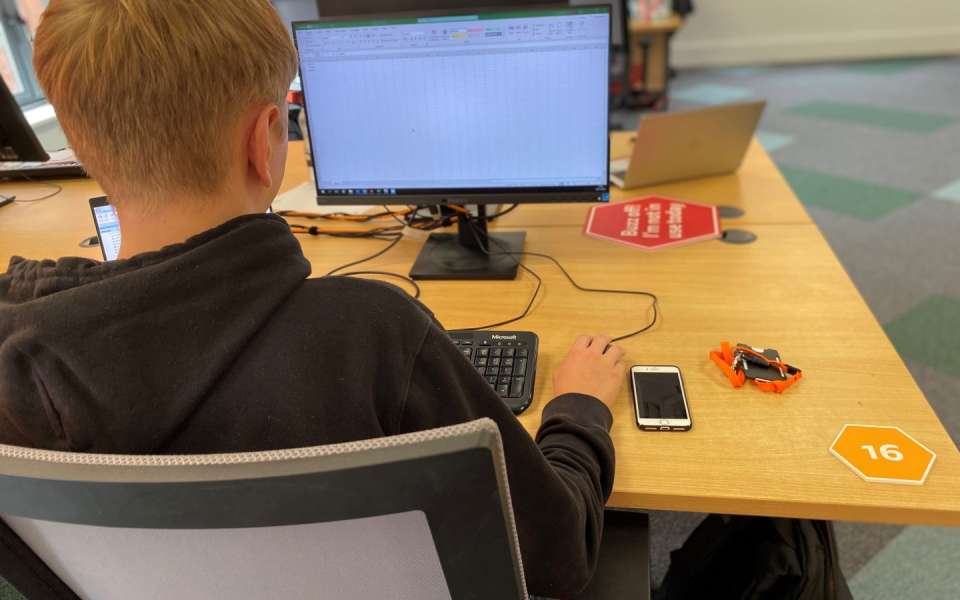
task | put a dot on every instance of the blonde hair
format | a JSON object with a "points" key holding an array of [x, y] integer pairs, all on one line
{"points": [[149, 91]]}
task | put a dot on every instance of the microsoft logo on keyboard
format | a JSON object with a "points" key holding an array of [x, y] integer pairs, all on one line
{"points": [[504, 337]]}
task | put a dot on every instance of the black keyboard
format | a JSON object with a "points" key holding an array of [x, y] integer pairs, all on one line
{"points": [[506, 359]]}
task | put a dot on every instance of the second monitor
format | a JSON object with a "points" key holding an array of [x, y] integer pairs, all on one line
{"points": [[459, 108]]}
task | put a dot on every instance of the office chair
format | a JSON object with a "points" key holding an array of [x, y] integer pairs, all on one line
{"points": [[425, 515]]}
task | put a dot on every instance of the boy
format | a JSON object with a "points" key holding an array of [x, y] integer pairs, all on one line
{"points": [[206, 335]]}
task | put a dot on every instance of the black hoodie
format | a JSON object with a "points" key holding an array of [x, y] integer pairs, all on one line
{"points": [[222, 344]]}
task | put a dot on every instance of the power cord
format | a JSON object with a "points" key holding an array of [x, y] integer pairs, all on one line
{"points": [[655, 303], [411, 218], [396, 240], [57, 189]]}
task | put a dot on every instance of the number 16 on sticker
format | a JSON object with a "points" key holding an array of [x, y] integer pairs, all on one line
{"points": [[887, 451], [883, 454]]}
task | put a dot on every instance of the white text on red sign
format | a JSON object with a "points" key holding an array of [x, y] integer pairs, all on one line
{"points": [[654, 221]]}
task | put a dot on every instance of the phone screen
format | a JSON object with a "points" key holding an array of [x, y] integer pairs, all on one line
{"points": [[108, 227], [659, 395], [108, 230]]}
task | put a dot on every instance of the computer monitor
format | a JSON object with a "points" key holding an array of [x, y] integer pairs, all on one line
{"points": [[338, 8], [18, 142], [459, 108]]}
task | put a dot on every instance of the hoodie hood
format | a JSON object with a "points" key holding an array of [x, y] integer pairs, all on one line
{"points": [[71, 328]]}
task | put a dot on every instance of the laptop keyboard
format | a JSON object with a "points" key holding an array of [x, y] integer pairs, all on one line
{"points": [[506, 359]]}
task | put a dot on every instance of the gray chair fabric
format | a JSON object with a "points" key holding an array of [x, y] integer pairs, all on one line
{"points": [[423, 516]]}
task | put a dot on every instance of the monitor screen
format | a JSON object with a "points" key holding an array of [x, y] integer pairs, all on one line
{"points": [[18, 142], [481, 107], [336, 8]]}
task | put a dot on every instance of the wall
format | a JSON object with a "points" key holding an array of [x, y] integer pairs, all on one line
{"points": [[296, 10], [730, 32]]}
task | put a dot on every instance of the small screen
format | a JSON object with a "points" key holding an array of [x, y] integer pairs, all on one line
{"points": [[108, 229], [659, 396]]}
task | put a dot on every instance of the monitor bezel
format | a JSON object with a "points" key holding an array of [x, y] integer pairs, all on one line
{"points": [[14, 125], [430, 196]]}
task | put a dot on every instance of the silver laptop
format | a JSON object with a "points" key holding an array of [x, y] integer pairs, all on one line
{"points": [[688, 144]]}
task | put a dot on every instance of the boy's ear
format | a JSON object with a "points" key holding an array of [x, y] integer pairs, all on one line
{"points": [[260, 143]]}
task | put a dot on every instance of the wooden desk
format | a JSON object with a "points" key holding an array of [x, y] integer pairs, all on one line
{"points": [[748, 452]]}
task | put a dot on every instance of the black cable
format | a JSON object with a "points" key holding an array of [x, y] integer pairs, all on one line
{"points": [[499, 214], [57, 189], [386, 274], [655, 302], [394, 216], [377, 254], [526, 311], [513, 255]]}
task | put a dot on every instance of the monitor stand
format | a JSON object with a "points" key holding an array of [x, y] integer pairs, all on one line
{"points": [[461, 256]]}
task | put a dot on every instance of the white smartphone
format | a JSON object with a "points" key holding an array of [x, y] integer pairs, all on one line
{"points": [[659, 398]]}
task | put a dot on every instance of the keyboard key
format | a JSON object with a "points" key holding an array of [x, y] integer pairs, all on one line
{"points": [[503, 359]]}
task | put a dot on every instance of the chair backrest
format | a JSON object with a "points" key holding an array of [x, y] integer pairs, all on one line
{"points": [[425, 516]]}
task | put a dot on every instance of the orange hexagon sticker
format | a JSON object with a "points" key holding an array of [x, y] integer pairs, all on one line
{"points": [[883, 454]]}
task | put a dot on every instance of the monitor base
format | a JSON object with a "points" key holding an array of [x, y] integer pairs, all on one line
{"points": [[445, 257]]}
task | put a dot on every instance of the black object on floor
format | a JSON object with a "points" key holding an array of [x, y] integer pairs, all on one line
{"points": [[623, 572], [753, 558]]}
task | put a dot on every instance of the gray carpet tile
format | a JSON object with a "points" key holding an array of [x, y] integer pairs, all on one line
{"points": [[668, 531], [898, 261], [943, 392], [921, 562], [859, 542]]}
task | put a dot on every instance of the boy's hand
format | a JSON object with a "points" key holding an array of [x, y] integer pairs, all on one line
{"points": [[593, 369]]}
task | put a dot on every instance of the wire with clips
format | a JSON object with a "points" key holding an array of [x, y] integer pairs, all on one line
{"points": [[411, 218]]}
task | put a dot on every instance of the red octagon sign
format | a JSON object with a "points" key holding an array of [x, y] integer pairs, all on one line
{"points": [[653, 222]]}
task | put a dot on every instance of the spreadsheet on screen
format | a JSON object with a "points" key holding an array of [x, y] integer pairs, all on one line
{"points": [[502, 100]]}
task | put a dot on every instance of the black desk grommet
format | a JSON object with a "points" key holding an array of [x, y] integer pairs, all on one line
{"points": [[738, 236], [730, 212]]}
